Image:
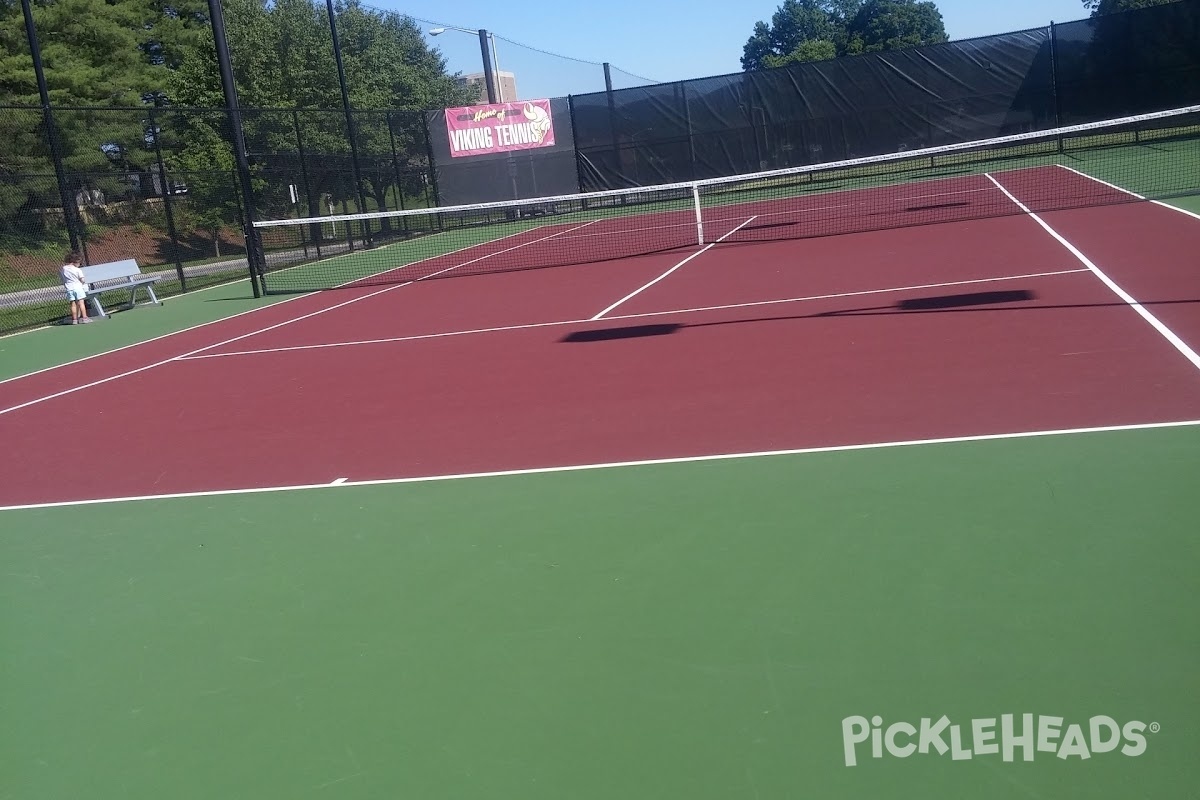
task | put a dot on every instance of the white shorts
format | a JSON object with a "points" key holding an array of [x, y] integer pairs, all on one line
{"points": [[76, 292]]}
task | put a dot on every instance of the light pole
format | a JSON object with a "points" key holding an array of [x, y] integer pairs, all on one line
{"points": [[490, 76]]}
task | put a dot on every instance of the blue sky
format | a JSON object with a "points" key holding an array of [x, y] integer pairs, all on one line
{"points": [[661, 40]]}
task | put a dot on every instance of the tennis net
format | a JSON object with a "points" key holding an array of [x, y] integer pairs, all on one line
{"points": [[1150, 156]]}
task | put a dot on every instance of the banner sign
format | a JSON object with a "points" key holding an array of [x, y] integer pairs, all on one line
{"points": [[499, 128]]}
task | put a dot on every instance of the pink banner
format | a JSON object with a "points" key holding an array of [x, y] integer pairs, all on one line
{"points": [[500, 128]]}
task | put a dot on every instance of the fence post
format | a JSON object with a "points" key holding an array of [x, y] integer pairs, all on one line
{"points": [[617, 154], [166, 190], [687, 118], [1054, 80], [437, 195], [396, 169], [748, 88], [254, 256], [70, 213], [314, 207], [578, 158], [337, 53], [489, 76]]}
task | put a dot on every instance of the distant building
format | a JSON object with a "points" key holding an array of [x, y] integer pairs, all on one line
{"points": [[506, 86]]}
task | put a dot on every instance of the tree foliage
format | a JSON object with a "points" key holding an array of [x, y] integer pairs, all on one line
{"points": [[816, 30], [159, 56], [283, 59], [1100, 8]]}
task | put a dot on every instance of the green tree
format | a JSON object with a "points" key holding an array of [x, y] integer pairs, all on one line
{"points": [[1100, 8], [882, 25], [816, 30], [282, 57], [800, 30], [808, 50], [99, 54]]}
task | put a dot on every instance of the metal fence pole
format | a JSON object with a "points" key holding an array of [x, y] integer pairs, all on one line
{"points": [[1054, 75], [489, 75], [437, 197], [691, 137], [254, 254], [617, 155], [314, 207], [70, 213], [166, 190], [341, 70], [579, 172], [396, 169]]}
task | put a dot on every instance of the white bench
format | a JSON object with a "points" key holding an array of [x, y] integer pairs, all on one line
{"points": [[114, 275]]}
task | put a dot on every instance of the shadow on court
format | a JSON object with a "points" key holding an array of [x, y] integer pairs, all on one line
{"points": [[995, 301], [627, 332]]}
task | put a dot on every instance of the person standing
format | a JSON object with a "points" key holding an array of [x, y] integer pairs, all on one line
{"points": [[73, 281]]}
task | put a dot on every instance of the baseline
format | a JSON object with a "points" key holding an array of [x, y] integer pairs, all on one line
{"points": [[344, 483], [787, 377]]}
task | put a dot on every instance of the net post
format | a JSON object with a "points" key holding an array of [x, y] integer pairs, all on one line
{"points": [[699, 217]]}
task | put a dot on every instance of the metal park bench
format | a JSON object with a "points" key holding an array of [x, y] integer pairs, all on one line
{"points": [[117, 275]]}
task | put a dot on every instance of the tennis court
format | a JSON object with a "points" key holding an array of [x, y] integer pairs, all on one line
{"points": [[739, 519]]}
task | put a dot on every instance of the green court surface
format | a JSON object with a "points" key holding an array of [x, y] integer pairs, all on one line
{"points": [[40, 348], [691, 630]]}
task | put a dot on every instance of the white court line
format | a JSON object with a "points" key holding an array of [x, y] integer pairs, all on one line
{"points": [[127, 373], [987, 437], [802, 211], [1192, 214], [1166, 332], [189, 293], [153, 339], [696, 254], [274, 304], [1103, 183], [499, 252], [619, 317]]}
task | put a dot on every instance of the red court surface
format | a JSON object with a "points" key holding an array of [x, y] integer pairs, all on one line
{"points": [[963, 329]]}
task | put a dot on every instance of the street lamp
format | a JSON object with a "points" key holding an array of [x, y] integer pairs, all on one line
{"points": [[489, 75]]}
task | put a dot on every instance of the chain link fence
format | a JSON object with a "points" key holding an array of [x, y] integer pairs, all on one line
{"points": [[160, 185]]}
